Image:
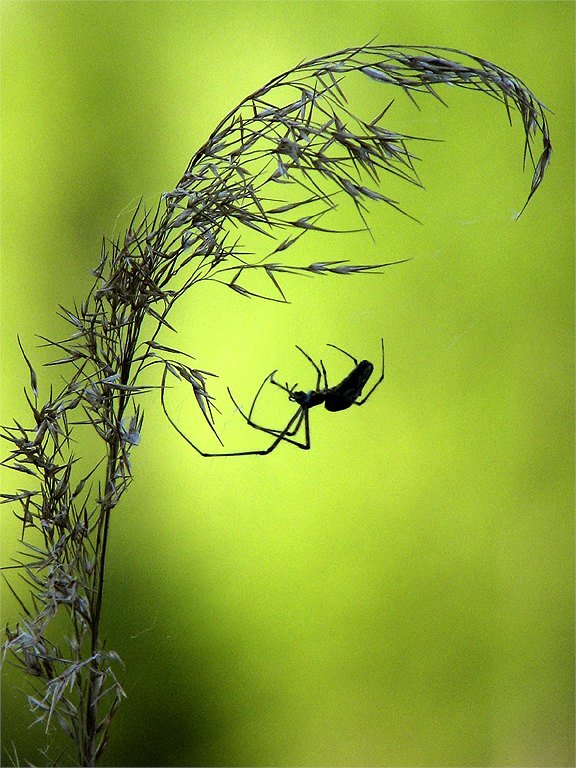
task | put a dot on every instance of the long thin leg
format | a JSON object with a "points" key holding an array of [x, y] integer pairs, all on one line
{"points": [[289, 430], [203, 399], [380, 380], [250, 421], [308, 442], [325, 375], [318, 372], [285, 387], [257, 395], [293, 426], [343, 352], [298, 417]]}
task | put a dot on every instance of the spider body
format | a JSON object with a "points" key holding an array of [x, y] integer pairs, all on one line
{"points": [[338, 397], [346, 393], [307, 399]]}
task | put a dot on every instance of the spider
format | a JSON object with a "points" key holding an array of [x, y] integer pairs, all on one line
{"points": [[337, 398]]}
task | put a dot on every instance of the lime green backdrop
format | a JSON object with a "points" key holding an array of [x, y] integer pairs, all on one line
{"points": [[403, 593]]}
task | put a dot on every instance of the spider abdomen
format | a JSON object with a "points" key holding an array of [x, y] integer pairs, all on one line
{"points": [[345, 394]]}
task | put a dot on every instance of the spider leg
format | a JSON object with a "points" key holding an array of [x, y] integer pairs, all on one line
{"points": [[343, 352], [285, 387], [302, 414], [318, 372], [286, 434], [257, 395], [296, 418], [325, 376], [307, 443], [177, 428], [203, 399], [249, 419], [279, 436], [380, 380]]}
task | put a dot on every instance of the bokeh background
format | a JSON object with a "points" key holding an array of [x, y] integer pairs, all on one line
{"points": [[403, 593]]}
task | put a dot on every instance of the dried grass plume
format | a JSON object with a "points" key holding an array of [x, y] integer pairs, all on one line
{"points": [[278, 164]]}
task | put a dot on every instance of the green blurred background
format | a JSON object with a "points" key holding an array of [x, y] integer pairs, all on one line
{"points": [[403, 593]]}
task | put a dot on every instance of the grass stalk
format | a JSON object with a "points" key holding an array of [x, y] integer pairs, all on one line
{"points": [[283, 163]]}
